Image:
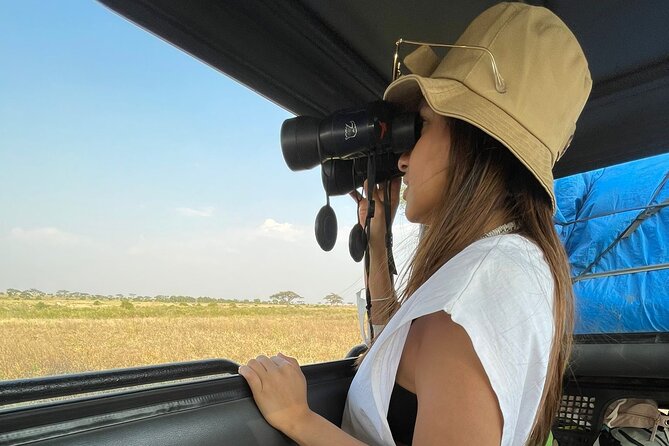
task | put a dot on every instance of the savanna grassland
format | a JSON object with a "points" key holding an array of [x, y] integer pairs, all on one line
{"points": [[52, 336]]}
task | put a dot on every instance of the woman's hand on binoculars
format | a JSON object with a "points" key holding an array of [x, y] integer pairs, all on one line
{"points": [[378, 222]]}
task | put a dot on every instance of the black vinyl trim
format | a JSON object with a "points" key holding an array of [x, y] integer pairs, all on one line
{"points": [[17, 391], [622, 338], [357, 351], [223, 389], [148, 402], [108, 418], [641, 360]]}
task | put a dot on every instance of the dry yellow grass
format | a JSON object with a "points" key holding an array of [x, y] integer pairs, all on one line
{"points": [[34, 345]]}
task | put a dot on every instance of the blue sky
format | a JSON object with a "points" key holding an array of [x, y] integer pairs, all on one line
{"points": [[130, 167]]}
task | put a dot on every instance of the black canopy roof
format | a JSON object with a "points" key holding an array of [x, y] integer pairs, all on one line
{"points": [[315, 56]]}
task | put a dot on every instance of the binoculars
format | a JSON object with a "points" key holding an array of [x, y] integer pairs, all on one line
{"points": [[342, 142], [351, 146]]}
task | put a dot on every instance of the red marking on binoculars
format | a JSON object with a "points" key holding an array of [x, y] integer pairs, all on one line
{"points": [[384, 128]]}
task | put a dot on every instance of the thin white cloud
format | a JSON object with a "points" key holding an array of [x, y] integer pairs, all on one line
{"points": [[283, 231], [46, 235], [201, 212], [135, 251]]}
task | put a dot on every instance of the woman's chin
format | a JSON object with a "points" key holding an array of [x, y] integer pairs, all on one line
{"points": [[416, 217], [410, 215]]}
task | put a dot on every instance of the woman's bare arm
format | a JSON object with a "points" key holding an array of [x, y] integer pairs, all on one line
{"points": [[317, 431], [280, 392], [456, 403]]}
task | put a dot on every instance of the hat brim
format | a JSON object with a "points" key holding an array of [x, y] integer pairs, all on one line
{"points": [[451, 98]]}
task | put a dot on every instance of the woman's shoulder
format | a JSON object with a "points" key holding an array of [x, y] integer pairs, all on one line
{"points": [[486, 274], [513, 253], [505, 265], [513, 286], [516, 243]]}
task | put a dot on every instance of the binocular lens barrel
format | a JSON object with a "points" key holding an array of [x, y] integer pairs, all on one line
{"points": [[342, 176], [342, 142], [299, 142], [306, 141]]}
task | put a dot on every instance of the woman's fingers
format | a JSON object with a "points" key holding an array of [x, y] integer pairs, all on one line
{"points": [[256, 372], [290, 360], [262, 365], [379, 197], [395, 187], [252, 378], [357, 196], [279, 389], [257, 367], [267, 363]]}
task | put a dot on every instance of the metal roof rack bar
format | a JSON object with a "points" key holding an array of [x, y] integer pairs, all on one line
{"points": [[620, 272]]}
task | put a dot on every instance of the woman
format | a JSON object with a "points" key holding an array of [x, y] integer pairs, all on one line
{"points": [[475, 347]]}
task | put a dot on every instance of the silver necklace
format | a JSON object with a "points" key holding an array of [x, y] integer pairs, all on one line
{"points": [[503, 229]]}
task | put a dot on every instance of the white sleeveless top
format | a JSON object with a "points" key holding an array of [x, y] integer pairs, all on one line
{"points": [[500, 290]]}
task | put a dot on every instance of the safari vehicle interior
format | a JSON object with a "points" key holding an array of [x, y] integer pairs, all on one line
{"points": [[313, 58]]}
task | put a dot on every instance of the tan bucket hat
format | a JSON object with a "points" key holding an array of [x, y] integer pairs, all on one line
{"points": [[544, 76]]}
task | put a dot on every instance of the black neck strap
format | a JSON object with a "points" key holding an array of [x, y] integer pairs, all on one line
{"points": [[371, 184], [387, 208], [392, 270]]}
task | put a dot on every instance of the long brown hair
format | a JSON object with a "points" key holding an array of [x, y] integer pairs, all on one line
{"points": [[487, 184]]}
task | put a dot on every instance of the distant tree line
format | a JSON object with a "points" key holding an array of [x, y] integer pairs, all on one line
{"points": [[334, 299], [291, 297], [280, 298], [35, 294]]}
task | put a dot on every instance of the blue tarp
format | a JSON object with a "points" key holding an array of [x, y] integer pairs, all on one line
{"points": [[606, 224]]}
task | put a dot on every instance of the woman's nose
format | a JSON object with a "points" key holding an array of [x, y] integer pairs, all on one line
{"points": [[403, 162]]}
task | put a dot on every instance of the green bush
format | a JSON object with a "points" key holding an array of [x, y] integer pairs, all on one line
{"points": [[97, 302], [127, 305]]}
